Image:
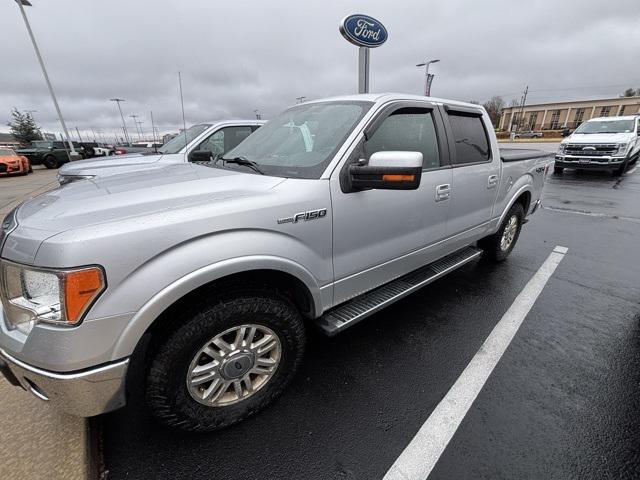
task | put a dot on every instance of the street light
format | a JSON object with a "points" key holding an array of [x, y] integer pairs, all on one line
{"points": [[427, 83], [124, 126], [26, 3], [135, 124]]}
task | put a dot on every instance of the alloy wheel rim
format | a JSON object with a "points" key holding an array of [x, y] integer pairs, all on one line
{"points": [[509, 233], [234, 365]]}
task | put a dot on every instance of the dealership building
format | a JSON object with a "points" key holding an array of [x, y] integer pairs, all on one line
{"points": [[555, 116]]}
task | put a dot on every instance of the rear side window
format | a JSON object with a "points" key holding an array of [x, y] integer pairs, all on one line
{"points": [[470, 139], [407, 130]]}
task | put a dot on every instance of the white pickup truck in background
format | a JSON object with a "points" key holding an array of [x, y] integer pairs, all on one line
{"points": [[607, 143]]}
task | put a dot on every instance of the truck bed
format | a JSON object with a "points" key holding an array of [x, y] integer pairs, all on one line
{"points": [[517, 154]]}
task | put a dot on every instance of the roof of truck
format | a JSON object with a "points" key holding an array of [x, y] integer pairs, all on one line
{"points": [[389, 96], [624, 117]]}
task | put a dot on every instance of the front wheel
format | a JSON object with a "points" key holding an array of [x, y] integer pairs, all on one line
{"points": [[558, 170], [225, 362], [620, 170], [499, 245], [50, 161]]}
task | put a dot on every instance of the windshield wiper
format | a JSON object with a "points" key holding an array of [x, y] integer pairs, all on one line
{"points": [[245, 162]]}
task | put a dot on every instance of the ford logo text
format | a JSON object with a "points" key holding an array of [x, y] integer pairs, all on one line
{"points": [[363, 31]]}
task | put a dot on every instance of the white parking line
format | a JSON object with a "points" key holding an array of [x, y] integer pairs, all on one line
{"points": [[421, 455]]}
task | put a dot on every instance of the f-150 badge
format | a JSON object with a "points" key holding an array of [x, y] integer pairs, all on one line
{"points": [[304, 216]]}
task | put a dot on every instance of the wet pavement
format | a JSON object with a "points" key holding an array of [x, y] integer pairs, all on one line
{"points": [[563, 401]]}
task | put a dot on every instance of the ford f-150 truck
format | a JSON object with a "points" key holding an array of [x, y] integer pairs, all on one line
{"points": [[199, 143], [197, 281], [608, 143]]}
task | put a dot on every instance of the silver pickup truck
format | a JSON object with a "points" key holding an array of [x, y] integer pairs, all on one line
{"points": [[197, 281], [198, 143]]}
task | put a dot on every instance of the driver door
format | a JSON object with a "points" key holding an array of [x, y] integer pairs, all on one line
{"points": [[380, 235]]}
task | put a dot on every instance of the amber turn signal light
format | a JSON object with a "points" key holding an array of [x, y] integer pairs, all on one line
{"points": [[81, 288], [398, 178]]}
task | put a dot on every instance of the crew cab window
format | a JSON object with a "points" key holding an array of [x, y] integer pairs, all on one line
{"points": [[407, 130], [225, 139], [470, 139]]}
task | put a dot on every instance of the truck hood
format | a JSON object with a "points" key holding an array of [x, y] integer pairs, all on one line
{"points": [[115, 164], [600, 138], [127, 197]]}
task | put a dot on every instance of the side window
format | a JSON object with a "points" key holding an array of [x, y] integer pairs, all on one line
{"points": [[225, 139], [407, 130], [470, 138], [58, 145]]}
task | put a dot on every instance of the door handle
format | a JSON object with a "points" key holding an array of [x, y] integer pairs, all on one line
{"points": [[443, 192], [492, 181]]}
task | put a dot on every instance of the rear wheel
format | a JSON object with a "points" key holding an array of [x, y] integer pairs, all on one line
{"points": [[225, 362], [50, 161], [499, 245]]}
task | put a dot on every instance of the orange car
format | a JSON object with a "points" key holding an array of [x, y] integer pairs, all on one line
{"points": [[11, 162]]}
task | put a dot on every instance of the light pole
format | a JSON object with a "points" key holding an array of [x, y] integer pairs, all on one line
{"points": [[124, 125], [427, 80], [135, 124], [22, 4], [140, 122]]}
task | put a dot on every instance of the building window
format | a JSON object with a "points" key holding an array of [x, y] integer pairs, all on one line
{"points": [[555, 119], [579, 118], [533, 118], [605, 111], [622, 110]]}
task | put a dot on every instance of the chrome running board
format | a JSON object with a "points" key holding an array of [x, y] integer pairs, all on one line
{"points": [[359, 308]]}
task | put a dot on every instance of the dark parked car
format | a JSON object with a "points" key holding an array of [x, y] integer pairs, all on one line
{"points": [[50, 153]]}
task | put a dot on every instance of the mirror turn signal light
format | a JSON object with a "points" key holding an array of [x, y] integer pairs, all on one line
{"points": [[398, 178]]}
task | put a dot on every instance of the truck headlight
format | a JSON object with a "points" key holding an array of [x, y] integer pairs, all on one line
{"points": [[622, 149], [562, 149], [61, 297]]}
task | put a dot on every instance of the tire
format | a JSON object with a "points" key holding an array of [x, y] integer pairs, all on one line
{"points": [[620, 170], [172, 401], [493, 245], [558, 170], [50, 161], [89, 152]]}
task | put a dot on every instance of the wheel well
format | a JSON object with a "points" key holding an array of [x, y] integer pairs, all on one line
{"points": [[274, 280], [525, 200], [270, 280]]}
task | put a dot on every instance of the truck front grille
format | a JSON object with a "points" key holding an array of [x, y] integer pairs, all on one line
{"points": [[591, 150]]}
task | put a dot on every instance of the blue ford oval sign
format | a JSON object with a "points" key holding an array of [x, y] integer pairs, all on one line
{"points": [[363, 31]]}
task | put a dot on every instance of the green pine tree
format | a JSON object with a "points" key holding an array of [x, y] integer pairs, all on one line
{"points": [[24, 127]]}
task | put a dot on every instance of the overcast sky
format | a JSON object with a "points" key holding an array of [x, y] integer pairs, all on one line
{"points": [[238, 56]]}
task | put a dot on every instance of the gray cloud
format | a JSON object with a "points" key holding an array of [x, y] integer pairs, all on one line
{"points": [[239, 56]]}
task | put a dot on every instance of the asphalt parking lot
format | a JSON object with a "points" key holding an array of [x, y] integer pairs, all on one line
{"points": [[563, 401]]}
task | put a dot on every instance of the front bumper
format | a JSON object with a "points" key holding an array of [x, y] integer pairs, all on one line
{"points": [[85, 393], [599, 163]]}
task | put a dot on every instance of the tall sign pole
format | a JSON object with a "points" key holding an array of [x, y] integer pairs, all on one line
{"points": [[22, 4], [366, 33]]}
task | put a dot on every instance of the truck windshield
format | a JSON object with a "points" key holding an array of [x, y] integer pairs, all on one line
{"points": [[177, 143], [606, 126], [301, 141]]}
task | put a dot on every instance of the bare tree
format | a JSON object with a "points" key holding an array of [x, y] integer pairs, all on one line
{"points": [[494, 107]]}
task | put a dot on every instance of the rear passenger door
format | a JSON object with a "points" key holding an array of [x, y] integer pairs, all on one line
{"points": [[476, 172]]}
